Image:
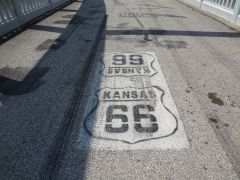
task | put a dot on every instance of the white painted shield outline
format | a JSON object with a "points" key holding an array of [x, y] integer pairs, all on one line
{"points": [[104, 66], [111, 139]]}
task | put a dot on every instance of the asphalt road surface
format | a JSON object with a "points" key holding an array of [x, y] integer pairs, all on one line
{"points": [[119, 89]]}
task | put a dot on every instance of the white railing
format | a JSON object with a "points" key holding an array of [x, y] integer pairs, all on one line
{"points": [[228, 4], [227, 9], [14, 13], [27, 7], [7, 14]]}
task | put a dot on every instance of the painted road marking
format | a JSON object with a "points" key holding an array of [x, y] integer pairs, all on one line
{"points": [[128, 65], [132, 109], [131, 115]]}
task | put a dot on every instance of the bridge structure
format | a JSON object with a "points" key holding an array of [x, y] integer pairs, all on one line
{"points": [[119, 89]]}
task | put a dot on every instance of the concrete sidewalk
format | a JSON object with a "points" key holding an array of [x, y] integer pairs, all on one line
{"points": [[153, 95]]}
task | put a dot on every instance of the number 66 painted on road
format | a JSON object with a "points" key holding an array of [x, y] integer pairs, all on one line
{"points": [[130, 115], [137, 116]]}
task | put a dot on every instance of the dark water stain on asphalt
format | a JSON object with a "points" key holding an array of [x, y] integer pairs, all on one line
{"points": [[215, 99], [214, 120], [226, 124]]}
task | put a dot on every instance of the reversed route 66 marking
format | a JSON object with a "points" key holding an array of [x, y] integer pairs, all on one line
{"points": [[128, 64]]}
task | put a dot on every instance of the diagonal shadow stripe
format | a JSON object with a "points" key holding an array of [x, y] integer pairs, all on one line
{"points": [[173, 33]]}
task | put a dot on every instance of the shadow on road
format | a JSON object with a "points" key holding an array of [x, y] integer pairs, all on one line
{"points": [[43, 117], [38, 115], [173, 33]]}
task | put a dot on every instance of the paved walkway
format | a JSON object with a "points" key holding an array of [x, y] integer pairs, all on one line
{"points": [[154, 94]]}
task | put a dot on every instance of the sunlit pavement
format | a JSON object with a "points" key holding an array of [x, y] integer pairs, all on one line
{"points": [[121, 89]]}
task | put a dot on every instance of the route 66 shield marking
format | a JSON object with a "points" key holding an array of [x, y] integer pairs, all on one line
{"points": [[128, 65], [133, 108], [131, 115]]}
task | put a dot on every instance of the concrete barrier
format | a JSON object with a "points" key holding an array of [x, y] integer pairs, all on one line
{"points": [[15, 13]]}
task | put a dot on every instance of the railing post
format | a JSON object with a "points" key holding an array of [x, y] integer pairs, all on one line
{"points": [[236, 10], [201, 1]]}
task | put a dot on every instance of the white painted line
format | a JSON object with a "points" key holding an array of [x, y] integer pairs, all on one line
{"points": [[133, 108]]}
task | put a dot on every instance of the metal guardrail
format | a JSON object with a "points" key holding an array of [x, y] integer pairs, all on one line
{"points": [[15, 13], [227, 9]]}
